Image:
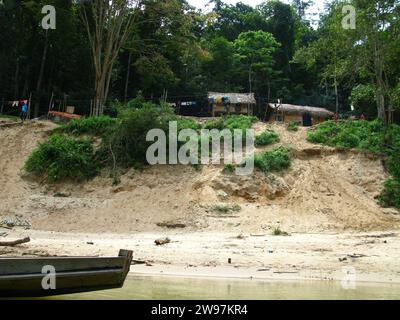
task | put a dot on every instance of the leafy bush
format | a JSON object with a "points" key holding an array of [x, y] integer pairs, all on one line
{"points": [[62, 157], [278, 232], [226, 208], [184, 123], [231, 122], [363, 135], [138, 102], [229, 168], [275, 160], [266, 138], [363, 99], [390, 196], [347, 139], [92, 125], [126, 145], [214, 124], [292, 126]]}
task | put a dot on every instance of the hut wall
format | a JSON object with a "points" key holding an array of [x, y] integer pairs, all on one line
{"points": [[232, 108], [292, 117], [288, 117]]}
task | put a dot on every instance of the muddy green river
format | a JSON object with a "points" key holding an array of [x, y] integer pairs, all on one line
{"points": [[165, 288]]}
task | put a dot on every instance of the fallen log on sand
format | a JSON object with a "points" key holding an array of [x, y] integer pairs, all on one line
{"points": [[14, 242], [161, 241]]}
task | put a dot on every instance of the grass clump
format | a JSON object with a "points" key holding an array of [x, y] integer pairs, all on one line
{"points": [[229, 168], [292, 126], [63, 157], [266, 138], [278, 232], [227, 208], [275, 160], [92, 125], [231, 122]]}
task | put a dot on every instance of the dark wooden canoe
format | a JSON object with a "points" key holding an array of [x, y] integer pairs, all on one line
{"points": [[22, 277]]}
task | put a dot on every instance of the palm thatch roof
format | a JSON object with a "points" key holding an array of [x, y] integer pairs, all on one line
{"points": [[233, 98], [295, 109]]}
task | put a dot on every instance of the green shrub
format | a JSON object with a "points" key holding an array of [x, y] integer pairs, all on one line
{"points": [[184, 123], [347, 139], [62, 157], [226, 208], [231, 122], [275, 160], [92, 125], [292, 126], [126, 145], [266, 138], [217, 123], [278, 232], [229, 168], [138, 102], [390, 196]]}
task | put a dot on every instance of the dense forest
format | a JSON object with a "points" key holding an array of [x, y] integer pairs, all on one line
{"points": [[167, 50]]}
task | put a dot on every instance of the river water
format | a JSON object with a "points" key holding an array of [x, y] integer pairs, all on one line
{"points": [[165, 288]]}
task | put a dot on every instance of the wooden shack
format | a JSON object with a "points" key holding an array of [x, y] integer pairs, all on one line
{"points": [[302, 115], [231, 103]]}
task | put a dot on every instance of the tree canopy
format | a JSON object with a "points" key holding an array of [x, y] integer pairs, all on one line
{"points": [[106, 51]]}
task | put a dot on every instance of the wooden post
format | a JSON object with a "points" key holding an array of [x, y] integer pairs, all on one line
{"points": [[29, 106], [51, 101], [2, 105]]}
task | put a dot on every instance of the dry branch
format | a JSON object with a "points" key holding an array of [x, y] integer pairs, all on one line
{"points": [[14, 242]]}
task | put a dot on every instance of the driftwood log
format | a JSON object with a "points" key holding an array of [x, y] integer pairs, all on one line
{"points": [[14, 242], [161, 241]]}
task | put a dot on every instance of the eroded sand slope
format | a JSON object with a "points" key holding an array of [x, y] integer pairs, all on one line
{"points": [[324, 190]]}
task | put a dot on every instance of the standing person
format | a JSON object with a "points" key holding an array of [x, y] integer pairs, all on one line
{"points": [[24, 110]]}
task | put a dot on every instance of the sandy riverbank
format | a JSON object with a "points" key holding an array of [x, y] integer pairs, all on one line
{"points": [[374, 256]]}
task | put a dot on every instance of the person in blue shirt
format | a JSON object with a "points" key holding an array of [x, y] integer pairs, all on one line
{"points": [[24, 110]]}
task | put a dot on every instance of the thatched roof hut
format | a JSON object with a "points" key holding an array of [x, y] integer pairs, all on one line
{"points": [[231, 103], [302, 114], [295, 109], [233, 98]]}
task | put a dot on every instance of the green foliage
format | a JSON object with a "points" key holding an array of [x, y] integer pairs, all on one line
{"points": [[390, 196], [266, 138], [363, 135], [184, 123], [61, 158], [231, 122], [292, 126], [217, 123], [278, 232], [275, 160], [363, 99], [229, 168], [137, 102], [92, 125], [227, 208], [126, 145]]}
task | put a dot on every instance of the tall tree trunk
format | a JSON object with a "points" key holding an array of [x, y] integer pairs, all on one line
{"points": [[39, 83], [336, 95], [16, 78], [380, 82], [128, 71], [250, 88]]}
